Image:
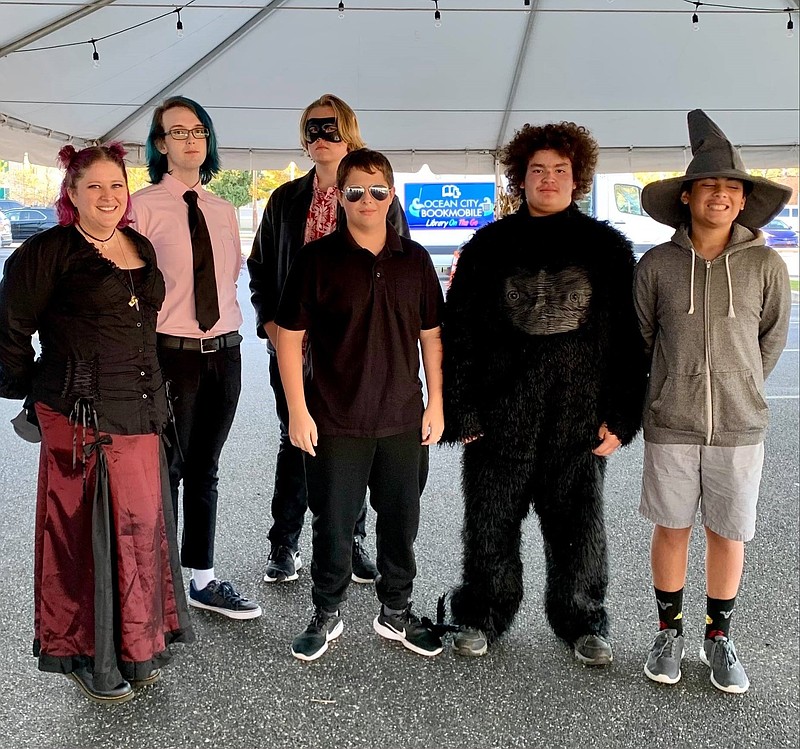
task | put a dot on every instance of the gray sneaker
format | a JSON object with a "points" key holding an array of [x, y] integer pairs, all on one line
{"points": [[469, 641], [593, 650], [664, 662], [727, 672]]}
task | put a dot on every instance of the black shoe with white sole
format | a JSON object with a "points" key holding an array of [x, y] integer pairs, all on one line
{"points": [[405, 627], [283, 565], [312, 642], [364, 569]]}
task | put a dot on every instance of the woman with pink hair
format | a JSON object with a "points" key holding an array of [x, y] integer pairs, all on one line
{"points": [[107, 589]]}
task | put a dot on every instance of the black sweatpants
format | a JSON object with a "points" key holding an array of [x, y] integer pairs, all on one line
{"points": [[337, 478]]}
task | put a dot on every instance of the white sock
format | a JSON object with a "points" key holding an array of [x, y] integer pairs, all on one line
{"points": [[202, 577]]}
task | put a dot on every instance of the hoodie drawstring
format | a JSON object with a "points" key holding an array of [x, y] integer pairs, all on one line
{"points": [[731, 313]]}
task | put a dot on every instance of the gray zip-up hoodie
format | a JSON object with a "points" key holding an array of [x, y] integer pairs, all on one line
{"points": [[714, 331]]}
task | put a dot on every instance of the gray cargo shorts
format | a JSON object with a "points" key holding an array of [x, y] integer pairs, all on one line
{"points": [[722, 481]]}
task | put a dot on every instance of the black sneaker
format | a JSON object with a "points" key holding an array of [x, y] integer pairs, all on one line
{"points": [[364, 569], [313, 641], [405, 627], [221, 596], [283, 565], [593, 650]]}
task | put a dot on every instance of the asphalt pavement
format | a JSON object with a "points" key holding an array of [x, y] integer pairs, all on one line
{"points": [[238, 686]]}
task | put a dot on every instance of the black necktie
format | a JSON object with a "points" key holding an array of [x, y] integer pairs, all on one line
{"points": [[206, 302]]}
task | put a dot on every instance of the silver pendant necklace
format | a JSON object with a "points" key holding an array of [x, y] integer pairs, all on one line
{"points": [[134, 300]]}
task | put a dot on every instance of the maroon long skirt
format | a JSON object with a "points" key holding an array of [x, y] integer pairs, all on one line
{"points": [[107, 585]]}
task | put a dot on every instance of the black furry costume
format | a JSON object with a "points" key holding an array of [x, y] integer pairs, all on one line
{"points": [[541, 347]]}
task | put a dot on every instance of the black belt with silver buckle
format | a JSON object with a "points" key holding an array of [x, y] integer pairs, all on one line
{"points": [[203, 345]]}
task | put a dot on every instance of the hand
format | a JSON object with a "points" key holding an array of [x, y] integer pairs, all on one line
{"points": [[609, 442], [271, 329], [474, 437], [303, 432], [432, 425]]}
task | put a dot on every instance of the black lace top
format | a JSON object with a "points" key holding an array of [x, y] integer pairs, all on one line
{"points": [[95, 344]]}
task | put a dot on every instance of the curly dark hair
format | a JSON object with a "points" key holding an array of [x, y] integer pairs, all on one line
{"points": [[570, 140]]}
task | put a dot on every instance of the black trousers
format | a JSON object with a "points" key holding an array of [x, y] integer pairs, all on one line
{"points": [[338, 477], [566, 492], [289, 497], [205, 392]]}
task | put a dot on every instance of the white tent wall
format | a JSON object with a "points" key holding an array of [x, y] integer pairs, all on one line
{"points": [[448, 97]]}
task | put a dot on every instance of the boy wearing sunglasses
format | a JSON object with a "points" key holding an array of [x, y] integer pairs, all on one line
{"points": [[365, 297], [297, 213]]}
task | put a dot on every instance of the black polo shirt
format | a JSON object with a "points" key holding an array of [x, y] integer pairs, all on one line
{"points": [[363, 314]]}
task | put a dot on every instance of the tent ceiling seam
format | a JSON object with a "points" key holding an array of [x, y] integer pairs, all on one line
{"points": [[53, 26], [245, 28], [512, 92]]}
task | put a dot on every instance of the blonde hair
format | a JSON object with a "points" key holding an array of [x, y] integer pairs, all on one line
{"points": [[346, 121]]}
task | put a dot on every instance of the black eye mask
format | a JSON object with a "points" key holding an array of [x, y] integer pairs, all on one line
{"points": [[322, 127]]}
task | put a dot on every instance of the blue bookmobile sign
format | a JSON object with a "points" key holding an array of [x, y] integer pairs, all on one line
{"points": [[437, 205]]}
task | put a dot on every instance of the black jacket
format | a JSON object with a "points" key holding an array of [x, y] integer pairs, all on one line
{"points": [[280, 235], [541, 341], [95, 345]]}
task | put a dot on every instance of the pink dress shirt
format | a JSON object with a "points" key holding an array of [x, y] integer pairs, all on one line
{"points": [[161, 214]]}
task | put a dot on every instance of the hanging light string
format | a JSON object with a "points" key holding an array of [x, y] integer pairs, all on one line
{"points": [[95, 40], [437, 17], [746, 8]]}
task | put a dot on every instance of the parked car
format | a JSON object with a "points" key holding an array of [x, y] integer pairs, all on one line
{"points": [[778, 233], [6, 203], [5, 230], [25, 222]]}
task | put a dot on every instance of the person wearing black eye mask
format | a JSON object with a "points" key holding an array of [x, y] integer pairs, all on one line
{"points": [[322, 127], [297, 213]]}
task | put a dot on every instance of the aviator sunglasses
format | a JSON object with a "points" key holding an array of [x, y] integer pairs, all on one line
{"points": [[354, 193]]}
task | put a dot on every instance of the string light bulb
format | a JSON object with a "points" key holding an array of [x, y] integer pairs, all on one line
{"points": [[437, 16], [696, 18], [95, 54], [790, 27], [341, 8], [527, 2], [179, 25]]}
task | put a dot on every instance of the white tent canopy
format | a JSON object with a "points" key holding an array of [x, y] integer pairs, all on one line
{"points": [[448, 96]]}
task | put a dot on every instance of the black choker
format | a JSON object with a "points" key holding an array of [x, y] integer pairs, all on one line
{"points": [[97, 239]]}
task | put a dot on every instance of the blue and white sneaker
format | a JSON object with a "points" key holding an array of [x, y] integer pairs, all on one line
{"points": [[220, 596]]}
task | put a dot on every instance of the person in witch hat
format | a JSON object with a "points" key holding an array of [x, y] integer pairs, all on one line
{"points": [[713, 306]]}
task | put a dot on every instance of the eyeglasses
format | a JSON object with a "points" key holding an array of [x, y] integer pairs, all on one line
{"points": [[354, 193], [180, 133]]}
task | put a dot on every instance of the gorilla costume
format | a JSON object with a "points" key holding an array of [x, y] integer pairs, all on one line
{"points": [[541, 347]]}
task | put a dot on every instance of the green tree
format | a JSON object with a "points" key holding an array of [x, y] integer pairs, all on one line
{"points": [[232, 185]]}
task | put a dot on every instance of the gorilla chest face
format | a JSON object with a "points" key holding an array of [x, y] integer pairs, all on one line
{"points": [[547, 302]]}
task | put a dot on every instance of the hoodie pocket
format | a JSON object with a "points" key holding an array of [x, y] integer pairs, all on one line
{"points": [[681, 404], [739, 406]]}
